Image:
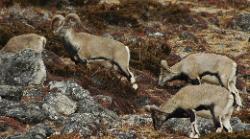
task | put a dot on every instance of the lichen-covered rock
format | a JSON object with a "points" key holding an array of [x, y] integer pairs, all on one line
{"points": [[84, 123], [56, 104], [70, 88], [242, 22], [33, 94], [105, 101], [110, 2], [131, 134], [24, 68], [88, 124], [27, 113], [91, 118], [182, 125], [205, 126], [108, 118], [11, 92], [39, 131], [136, 120], [188, 36]]}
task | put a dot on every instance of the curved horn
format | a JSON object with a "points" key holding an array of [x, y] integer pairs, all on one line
{"points": [[57, 18], [164, 64], [73, 16], [151, 108]]}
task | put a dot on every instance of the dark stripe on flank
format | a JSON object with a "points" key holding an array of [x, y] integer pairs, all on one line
{"points": [[212, 74]]}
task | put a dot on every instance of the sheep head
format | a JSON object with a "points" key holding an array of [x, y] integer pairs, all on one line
{"points": [[72, 20], [158, 116], [61, 24], [166, 73]]}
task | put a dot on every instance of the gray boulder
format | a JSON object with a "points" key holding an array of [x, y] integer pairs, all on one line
{"points": [[84, 123], [39, 131], [11, 92], [182, 125], [88, 124], [131, 134], [205, 126], [91, 118], [70, 88], [242, 22], [136, 120], [27, 113], [24, 68], [57, 104]]}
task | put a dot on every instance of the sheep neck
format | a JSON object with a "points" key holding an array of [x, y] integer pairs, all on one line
{"points": [[176, 68], [69, 38], [169, 106]]}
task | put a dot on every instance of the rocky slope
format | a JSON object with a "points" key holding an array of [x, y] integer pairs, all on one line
{"points": [[77, 102]]}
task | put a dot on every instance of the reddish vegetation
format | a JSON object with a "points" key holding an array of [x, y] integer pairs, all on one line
{"points": [[66, 136], [20, 127], [135, 24], [235, 135], [240, 4]]}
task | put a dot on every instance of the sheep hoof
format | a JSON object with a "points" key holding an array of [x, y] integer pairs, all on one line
{"points": [[219, 130], [195, 136], [135, 86], [238, 108]]}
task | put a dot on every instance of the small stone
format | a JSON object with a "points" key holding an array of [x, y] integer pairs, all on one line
{"points": [[39, 131], [29, 113], [205, 126], [58, 104], [136, 120], [105, 101], [110, 2], [84, 123], [188, 36], [11, 92], [242, 22], [156, 34], [70, 88], [131, 134]]}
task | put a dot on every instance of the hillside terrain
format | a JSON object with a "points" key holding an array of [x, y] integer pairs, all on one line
{"points": [[153, 30]]}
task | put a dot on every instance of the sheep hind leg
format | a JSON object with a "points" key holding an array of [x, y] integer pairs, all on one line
{"points": [[226, 124], [130, 76], [195, 132], [132, 79], [218, 124], [217, 121], [232, 88]]}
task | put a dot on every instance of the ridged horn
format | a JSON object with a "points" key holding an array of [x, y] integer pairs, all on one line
{"points": [[151, 108], [72, 16], [164, 64], [57, 18]]}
